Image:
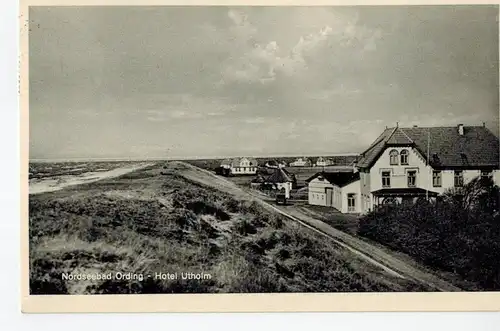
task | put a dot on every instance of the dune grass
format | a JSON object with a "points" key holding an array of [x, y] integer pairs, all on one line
{"points": [[156, 221]]}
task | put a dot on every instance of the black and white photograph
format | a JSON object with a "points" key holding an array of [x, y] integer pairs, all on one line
{"points": [[263, 149]]}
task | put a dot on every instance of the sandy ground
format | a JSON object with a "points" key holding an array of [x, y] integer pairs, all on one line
{"points": [[57, 183]]}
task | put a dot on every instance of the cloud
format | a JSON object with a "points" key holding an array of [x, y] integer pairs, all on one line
{"points": [[254, 120], [329, 94], [187, 107], [264, 61]]}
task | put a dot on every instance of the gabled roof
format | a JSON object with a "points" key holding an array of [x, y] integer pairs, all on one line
{"points": [[259, 179], [337, 178], [235, 162], [477, 147], [279, 176]]}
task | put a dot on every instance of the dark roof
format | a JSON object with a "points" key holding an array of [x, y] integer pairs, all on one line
{"points": [[275, 163], [337, 178], [477, 147], [412, 191], [258, 179], [279, 176]]}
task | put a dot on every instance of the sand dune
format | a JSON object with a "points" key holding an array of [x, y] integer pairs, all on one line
{"points": [[37, 186]]}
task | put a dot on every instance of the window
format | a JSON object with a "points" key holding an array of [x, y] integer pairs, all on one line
{"points": [[412, 178], [389, 201], [404, 156], [386, 179], [351, 202], [394, 157], [436, 178], [459, 178], [486, 174]]}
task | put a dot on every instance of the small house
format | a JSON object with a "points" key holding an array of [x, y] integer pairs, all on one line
{"points": [[275, 164], [301, 162], [281, 180], [323, 162], [240, 166], [340, 190]]}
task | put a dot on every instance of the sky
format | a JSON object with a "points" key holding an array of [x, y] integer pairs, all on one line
{"points": [[182, 82]]}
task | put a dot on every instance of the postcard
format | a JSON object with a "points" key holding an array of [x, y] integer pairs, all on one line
{"points": [[238, 157]]}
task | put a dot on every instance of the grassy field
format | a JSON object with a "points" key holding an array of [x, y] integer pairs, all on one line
{"points": [[155, 220], [344, 222]]}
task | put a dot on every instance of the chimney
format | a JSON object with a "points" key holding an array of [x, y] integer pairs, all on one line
{"points": [[460, 129]]}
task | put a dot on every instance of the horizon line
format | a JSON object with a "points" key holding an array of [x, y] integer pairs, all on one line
{"points": [[167, 158]]}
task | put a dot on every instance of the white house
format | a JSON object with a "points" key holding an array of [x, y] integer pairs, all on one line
{"points": [[301, 162], [281, 180], [323, 162], [340, 190], [273, 164], [404, 164], [240, 166]]}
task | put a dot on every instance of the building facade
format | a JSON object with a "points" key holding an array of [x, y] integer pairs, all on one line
{"points": [[323, 162], [405, 164], [240, 166], [340, 190], [281, 180], [301, 162]]}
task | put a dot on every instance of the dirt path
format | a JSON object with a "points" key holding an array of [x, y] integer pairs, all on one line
{"points": [[366, 251], [60, 182]]}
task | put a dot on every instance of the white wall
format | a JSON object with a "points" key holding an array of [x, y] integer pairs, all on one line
{"points": [[399, 172], [317, 195], [366, 198], [496, 177], [287, 186], [354, 187], [244, 170]]}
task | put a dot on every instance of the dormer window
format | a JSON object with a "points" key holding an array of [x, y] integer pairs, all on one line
{"points": [[404, 157], [393, 155]]}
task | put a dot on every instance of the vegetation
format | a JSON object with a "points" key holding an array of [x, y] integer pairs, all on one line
{"points": [[460, 233], [41, 170], [156, 221]]}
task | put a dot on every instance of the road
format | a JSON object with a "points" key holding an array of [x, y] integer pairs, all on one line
{"points": [[381, 258]]}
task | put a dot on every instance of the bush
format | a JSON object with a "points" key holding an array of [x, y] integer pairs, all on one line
{"points": [[460, 233]]}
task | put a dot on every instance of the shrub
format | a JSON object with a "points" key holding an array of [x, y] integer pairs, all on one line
{"points": [[460, 233]]}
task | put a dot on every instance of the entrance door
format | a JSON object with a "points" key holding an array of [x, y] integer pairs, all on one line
{"points": [[329, 196]]}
